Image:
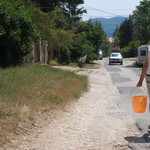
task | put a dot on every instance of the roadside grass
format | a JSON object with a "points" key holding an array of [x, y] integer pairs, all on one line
{"points": [[25, 91]]}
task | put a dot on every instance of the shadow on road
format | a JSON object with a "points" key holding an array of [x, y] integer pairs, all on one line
{"points": [[143, 139], [139, 143], [114, 64], [132, 66]]}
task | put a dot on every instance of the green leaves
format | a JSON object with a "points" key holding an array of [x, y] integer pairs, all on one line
{"points": [[17, 31], [91, 39], [125, 32], [141, 18], [131, 49]]}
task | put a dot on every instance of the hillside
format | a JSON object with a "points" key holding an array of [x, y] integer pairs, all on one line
{"points": [[109, 25]]}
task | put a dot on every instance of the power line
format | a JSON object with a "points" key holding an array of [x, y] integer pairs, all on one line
{"points": [[108, 9], [100, 16], [101, 10], [105, 12]]}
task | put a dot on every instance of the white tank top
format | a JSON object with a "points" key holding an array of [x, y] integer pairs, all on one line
{"points": [[148, 69]]}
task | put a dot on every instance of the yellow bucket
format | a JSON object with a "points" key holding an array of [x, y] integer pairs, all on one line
{"points": [[139, 103]]}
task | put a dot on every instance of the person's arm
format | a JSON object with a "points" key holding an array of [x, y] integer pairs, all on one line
{"points": [[144, 70]]}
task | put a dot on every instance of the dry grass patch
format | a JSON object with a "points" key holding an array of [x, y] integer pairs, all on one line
{"points": [[24, 91]]}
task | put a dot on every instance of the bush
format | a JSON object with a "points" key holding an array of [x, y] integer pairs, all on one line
{"points": [[131, 49], [17, 32], [65, 57], [81, 61], [53, 63]]}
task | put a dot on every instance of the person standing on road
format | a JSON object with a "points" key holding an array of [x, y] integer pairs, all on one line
{"points": [[146, 71]]}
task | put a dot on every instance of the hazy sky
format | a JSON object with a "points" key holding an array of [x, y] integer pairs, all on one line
{"points": [[109, 8]]}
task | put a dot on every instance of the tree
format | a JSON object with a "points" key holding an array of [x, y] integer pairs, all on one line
{"points": [[141, 20], [105, 46], [44, 5], [83, 47], [68, 7], [131, 49], [60, 40], [116, 35], [74, 11], [125, 32], [94, 34], [116, 31], [17, 32]]}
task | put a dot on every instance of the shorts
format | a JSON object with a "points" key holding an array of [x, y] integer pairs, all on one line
{"points": [[148, 83]]}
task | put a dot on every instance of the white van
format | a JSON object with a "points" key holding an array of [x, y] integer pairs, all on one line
{"points": [[141, 53]]}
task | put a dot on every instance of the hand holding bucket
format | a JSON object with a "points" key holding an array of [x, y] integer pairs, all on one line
{"points": [[139, 102]]}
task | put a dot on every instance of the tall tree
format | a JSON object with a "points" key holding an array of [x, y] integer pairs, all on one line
{"points": [[105, 46], [69, 7], [125, 32], [141, 20], [74, 11], [94, 34]]}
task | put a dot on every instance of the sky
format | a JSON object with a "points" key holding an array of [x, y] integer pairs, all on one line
{"points": [[108, 8]]}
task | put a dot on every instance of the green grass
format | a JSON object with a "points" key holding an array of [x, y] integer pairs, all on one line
{"points": [[24, 91]]}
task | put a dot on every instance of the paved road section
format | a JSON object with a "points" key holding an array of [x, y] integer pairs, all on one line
{"points": [[125, 78]]}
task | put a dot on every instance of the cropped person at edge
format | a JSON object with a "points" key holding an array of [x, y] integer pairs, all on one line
{"points": [[146, 71]]}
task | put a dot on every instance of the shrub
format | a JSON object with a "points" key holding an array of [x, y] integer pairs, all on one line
{"points": [[53, 63], [131, 49], [65, 57], [81, 61]]}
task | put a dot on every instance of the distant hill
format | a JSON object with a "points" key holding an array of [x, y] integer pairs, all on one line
{"points": [[109, 25]]}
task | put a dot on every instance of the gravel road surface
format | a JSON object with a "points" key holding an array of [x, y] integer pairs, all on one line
{"points": [[97, 121]]}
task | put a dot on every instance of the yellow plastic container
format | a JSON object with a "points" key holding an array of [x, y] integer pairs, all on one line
{"points": [[139, 103]]}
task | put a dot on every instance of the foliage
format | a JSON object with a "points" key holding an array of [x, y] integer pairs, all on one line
{"points": [[95, 35], [116, 31], [17, 31], [60, 40], [90, 42], [53, 63], [83, 47], [125, 32], [69, 7], [141, 19], [89, 52], [65, 57], [105, 46], [131, 49], [148, 43], [116, 39], [116, 35], [81, 61]]}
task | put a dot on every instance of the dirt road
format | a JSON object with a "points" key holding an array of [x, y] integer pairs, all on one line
{"points": [[97, 121]]}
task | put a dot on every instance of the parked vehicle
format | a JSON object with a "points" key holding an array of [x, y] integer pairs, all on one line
{"points": [[100, 56], [141, 52], [115, 58]]}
